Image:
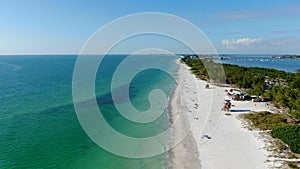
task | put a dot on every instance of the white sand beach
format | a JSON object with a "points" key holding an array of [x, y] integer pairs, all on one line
{"points": [[218, 141]]}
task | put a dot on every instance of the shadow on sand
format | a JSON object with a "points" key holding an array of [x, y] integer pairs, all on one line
{"points": [[239, 111]]}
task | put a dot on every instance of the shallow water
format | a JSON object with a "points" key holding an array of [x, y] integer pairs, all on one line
{"points": [[39, 127]]}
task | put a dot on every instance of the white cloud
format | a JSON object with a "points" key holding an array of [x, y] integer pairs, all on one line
{"points": [[286, 45], [242, 42]]}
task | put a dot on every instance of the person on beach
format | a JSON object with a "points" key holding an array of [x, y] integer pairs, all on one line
{"points": [[207, 86]]}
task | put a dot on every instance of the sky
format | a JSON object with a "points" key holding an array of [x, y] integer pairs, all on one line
{"points": [[63, 27]]}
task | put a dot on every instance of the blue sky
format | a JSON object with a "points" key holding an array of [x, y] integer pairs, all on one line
{"points": [[53, 26]]}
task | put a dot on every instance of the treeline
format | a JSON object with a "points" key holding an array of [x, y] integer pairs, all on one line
{"points": [[287, 96], [283, 88]]}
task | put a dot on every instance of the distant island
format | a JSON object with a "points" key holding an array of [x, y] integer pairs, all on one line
{"points": [[226, 57], [285, 57]]}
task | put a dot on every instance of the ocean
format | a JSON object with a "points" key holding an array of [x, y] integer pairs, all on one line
{"points": [[38, 124], [264, 61]]}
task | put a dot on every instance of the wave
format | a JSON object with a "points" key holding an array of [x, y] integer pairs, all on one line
{"points": [[13, 66]]}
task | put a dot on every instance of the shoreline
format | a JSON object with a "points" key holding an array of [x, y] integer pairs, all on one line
{"points": [[180, 156], [216, 140]]}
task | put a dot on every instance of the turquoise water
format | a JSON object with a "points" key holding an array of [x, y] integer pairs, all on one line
{"points": [[264, 61], [38, 124]]}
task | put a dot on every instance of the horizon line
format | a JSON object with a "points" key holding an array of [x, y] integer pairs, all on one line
{"points": [[69, 54]]}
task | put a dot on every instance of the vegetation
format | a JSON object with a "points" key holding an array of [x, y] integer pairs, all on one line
{"points": [[293, 166], [265, 120], [283, 88], [289, 135], [286, 97]]}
